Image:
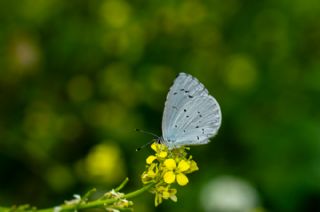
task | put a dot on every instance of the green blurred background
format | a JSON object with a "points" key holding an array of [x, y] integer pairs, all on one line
{"points": [[77, 77]]}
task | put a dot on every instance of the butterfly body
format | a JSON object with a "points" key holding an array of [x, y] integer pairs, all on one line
{"points": [[191, 116]]}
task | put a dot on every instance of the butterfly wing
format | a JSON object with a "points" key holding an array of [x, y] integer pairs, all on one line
{"points": [[191, 116]]}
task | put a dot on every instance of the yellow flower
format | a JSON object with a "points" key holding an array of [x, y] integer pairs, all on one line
{"points": [[155, 146], [150, 159], [169, 177], [193, 167], [182, 179], [162, 154], [166, 167], [149, 175], [175, 173], [160, 149], [164, 192], [170, 164], [183, 166]]}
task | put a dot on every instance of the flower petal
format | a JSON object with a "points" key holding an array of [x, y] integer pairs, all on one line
{"points": [[154, 146], [193, 166], [150, 159], [151, 173], [165, 194], [169, 177], [183, 166], [174, 198], [157, 200], [163, 154], [170, 164], [182, 179]]}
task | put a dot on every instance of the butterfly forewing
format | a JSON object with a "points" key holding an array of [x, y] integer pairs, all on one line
{"points": [[184, 87]]}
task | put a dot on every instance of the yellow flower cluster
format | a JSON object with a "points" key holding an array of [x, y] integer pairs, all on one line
{"points": [[165, 168]]}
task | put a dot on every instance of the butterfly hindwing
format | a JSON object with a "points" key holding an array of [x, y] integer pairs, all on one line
{"points": [[197, 124], [191, 116]]}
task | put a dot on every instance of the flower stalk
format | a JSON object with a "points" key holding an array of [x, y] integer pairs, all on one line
{"points": [[83, 203], [164, 169]]}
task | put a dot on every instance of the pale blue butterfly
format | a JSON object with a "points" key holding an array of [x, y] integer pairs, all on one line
{"points": [[191, 116]]}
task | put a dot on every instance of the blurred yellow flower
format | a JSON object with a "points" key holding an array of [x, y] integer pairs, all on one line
{"points": [[104, 163]]}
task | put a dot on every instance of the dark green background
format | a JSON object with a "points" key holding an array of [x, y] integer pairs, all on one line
{"points": [[77, 77]]}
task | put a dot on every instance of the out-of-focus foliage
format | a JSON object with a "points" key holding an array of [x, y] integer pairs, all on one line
{"points": [[77, 77]]}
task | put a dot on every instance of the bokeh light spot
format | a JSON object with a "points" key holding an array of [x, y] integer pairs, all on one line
{"points": [[228, 193], [104, 163], [59, 178], [80, 88], [24, 56], [116, 13], [241, 73]]}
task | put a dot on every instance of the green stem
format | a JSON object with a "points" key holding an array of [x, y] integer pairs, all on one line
{"points": [[98, 203], [122, 184]]}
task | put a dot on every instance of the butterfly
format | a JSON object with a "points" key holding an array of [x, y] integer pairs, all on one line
{"points": [[191, 115]]}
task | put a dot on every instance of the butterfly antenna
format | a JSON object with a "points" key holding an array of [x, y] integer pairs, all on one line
{"points": [[148, 133], [144, 145]]}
